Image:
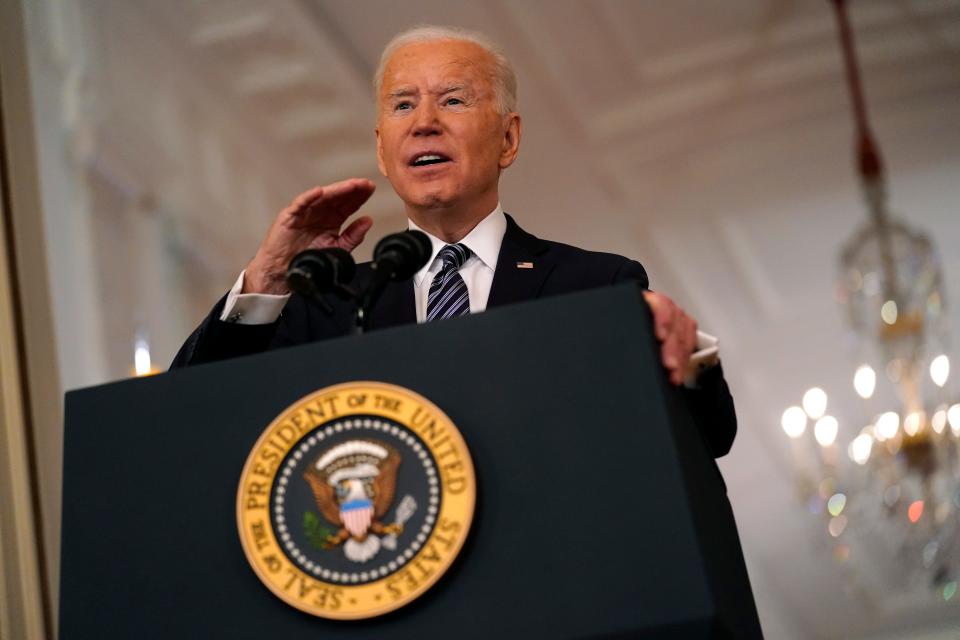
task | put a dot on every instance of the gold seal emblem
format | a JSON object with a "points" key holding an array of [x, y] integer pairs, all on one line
{"points": [[355, 500]]}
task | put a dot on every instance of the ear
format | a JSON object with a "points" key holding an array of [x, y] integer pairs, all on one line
{"points": [[380, 163], [511, 140]]}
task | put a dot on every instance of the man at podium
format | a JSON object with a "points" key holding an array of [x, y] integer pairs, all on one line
{"points": [[447, 127]]}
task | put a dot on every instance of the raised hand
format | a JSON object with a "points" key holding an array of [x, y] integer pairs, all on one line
{"points": [[676, 331], [314, 220]]}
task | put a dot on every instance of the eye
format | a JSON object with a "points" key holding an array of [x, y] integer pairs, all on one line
{"points": [[402, 106], [454, 101]]}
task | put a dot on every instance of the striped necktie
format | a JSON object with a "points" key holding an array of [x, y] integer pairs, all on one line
{"points": [[448, 295]]}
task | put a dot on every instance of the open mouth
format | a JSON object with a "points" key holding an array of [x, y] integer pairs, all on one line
{"points": [[427, 159]]}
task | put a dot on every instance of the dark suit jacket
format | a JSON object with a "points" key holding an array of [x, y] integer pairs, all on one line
{"points": [[558, 268]]}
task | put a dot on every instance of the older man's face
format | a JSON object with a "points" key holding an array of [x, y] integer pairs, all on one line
{"points": [[440, 139]]}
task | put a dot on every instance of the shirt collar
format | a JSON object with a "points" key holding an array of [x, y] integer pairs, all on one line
{"points": [[484, 241]]}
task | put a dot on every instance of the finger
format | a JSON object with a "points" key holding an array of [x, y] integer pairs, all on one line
{"points": [[335, 191], [354, 198], [346, 190], [353, 235], [691, 347], [337, 203], [681, 330], [685, 330], [671, 351], [686, 342], [663, 312], [303, 200], [671, 361]]}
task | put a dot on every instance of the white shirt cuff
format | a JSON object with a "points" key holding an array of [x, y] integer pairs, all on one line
{"points": [[252, 308], [705, 357]]}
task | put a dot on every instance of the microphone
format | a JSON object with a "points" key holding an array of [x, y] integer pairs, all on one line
{"points": [[395, 258], [315, 272], [400, 255]]}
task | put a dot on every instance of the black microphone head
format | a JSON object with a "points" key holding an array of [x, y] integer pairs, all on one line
{"points": [[317, 271], [405, 253]]}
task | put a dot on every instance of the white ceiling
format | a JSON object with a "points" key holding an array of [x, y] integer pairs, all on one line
{"points": [[711, 140]]}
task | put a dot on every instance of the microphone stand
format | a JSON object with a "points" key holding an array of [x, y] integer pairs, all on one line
{"points": [[363, 302], [396, 257], [322, 271], [383, 272], [359, 322]]}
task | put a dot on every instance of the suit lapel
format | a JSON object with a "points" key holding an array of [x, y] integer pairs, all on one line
{"points": [[523, 265]]}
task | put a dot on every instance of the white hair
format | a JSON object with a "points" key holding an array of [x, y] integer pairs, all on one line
{"points": [[504, 79]]}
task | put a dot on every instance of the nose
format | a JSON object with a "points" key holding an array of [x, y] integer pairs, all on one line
{"points": [[426, 123]]}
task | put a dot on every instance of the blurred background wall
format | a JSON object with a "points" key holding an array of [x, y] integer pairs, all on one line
{"points": [[710, 140]]}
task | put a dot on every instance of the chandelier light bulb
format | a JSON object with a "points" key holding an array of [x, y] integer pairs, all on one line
{"points": [[888, 312], [912, 423], [825, 430], [860, 448], [836, 503], [940, 370], [939, 420], [794, 422], [889, 423], [953, 417], [815, 402], [865, 381], [875, 432]]}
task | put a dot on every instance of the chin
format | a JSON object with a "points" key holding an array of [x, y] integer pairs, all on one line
{"points": [[429, 200]]}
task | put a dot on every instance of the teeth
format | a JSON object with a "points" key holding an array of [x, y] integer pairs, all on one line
{"points": [[428, 158]]}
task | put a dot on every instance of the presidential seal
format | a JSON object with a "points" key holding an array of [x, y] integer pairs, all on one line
{"points": [[355, 500]]}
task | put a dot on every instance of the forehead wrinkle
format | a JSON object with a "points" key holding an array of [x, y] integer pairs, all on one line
{"points": [[468, 72], [467, 68], [456, 65]]}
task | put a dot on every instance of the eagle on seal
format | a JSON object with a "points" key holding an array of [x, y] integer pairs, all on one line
{"points": [[354, 484]]}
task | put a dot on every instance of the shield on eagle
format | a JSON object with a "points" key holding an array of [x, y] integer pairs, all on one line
{"points": [[357, 516], [354, 483]]}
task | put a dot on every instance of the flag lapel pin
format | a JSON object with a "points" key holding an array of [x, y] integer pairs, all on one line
{"points": [[524, 265]]}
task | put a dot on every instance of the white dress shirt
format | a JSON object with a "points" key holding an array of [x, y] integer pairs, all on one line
{"points": [[477, 272]]}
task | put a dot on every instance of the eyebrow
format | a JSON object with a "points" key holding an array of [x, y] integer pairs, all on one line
{"points": [[402, 92], [405, 92]]}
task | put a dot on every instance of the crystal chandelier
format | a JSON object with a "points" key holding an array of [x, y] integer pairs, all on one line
{"points": [[891, 505]]}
